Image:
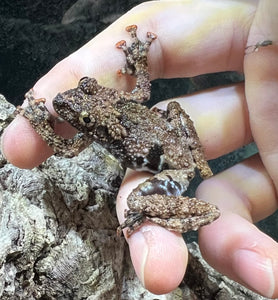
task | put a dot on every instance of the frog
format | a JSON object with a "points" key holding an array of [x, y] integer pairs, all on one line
{"points": [[162, 142]]}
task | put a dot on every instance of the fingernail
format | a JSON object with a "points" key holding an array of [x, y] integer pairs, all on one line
{"points": [[256, 271], [12, 126], [1, 140], [139, 250], [1, 146]]}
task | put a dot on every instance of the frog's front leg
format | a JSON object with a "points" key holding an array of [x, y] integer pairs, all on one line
{"points": [[43, 123], [137, 65], [159, 200]]}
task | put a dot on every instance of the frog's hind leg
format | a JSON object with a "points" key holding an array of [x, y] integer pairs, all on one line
{"points": [[180, 119], [159, 199], [180, 214], [197, 213], [137, 64]]}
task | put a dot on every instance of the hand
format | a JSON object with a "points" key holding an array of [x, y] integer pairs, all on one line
{"points": [[194, 37]]}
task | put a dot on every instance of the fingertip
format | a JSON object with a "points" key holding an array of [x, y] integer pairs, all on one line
{"points": [[240, 251], [262, 276], [159, 258], [22, 146]]}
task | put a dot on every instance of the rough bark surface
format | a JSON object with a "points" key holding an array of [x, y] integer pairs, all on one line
{"points": [[58, 234]]}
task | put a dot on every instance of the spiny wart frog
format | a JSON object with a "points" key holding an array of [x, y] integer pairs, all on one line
{"points": [[162, 142]]}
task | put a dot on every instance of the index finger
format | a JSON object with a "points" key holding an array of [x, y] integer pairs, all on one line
{"points": [[189, 43]]}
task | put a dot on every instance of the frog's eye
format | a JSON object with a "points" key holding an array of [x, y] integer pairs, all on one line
{"points": [[88, 85], [84, 83], [85, 119], [83, 79]]}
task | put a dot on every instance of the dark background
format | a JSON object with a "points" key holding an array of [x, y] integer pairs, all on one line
{"points": [[36, 34]]}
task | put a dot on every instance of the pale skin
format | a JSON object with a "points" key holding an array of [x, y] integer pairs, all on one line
{"points": [[195, 37]]}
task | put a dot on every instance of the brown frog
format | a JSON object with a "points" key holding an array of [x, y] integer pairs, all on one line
{"points": [[162, 142]]}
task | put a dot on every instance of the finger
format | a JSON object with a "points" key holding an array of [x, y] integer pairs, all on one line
{"points": [[159, 256], [245, 194], [261, 72], [220, 116], [186, 46], [29, 147], [153, 249]]}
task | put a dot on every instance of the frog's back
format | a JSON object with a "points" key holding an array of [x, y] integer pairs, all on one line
{"points": [[151, 143]]}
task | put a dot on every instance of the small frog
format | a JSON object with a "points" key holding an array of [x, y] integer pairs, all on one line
{"points": [[162, 142]]}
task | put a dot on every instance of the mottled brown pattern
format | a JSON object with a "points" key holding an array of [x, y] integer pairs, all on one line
{"points": [[162, 142]]}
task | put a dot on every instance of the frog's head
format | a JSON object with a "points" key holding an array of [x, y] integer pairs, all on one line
{"points": [[88, 107], [76, 105]]}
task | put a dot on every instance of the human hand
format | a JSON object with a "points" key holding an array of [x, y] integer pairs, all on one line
{"points": [[194, 37]]}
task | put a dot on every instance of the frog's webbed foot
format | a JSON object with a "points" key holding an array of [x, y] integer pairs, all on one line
{"points": [[43, 123], [136, 53], [36, 111], [136, 64], [132, 222]]}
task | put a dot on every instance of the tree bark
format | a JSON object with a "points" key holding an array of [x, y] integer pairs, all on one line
{"points": [[58, 234]]}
